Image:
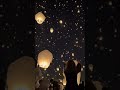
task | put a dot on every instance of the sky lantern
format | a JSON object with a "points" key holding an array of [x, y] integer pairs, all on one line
{"points": [[44, 59], [40, 17], [51, 30], [60, 21], [20, 74]]}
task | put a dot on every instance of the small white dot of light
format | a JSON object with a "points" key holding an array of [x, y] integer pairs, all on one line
{"points": [[76, 42], [57, 69], [110, 3], [115, 30], [81, 69], [51, 30], [66, 1], [72, 54], [77, 6], [78, 11], [80, 26], [60, 21], [44, 11], [48, 75], [83, 39], [110, 50], [59, 74]]}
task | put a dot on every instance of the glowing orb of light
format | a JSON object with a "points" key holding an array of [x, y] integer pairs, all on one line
{"points": [[51, 30], [44, 59], [40, 17]]}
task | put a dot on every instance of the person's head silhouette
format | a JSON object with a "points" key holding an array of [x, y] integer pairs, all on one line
{"points": [[70, 66]]}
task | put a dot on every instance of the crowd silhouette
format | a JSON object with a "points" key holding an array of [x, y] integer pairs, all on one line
{"points": [[71, 71]]}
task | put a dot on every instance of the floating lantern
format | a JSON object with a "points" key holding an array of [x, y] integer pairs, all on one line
{"points": [[40, 17], [44, 59], [51, 30], [20, 75]]}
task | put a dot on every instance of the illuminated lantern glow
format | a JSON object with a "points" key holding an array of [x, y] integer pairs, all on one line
{"points": [[40, 17], [44, 59], [20, 74], [60, 21], [51, 30]]}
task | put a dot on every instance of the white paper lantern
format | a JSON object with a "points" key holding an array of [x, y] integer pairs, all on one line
{"points": [[40, 17], [20, 75], [44, 59]]}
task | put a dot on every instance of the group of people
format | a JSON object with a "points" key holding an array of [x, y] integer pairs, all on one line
{"points": [[71, 71]]}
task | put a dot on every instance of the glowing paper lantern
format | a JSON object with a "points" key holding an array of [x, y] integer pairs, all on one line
{"points": [[90, 67], [51, 30], [20, 75], [40, 17], [44, 59], [60, 21], [57, 69]]}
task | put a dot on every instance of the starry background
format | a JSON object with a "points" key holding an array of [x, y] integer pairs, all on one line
{"points": [[102, 35], [67, 41], [87, 27]]}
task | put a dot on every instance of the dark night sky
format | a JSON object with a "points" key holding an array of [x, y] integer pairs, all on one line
{"points": [[68, 36], [101, 38]]}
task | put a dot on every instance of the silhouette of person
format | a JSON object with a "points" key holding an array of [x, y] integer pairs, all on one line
{"points": [[71, 76]]}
